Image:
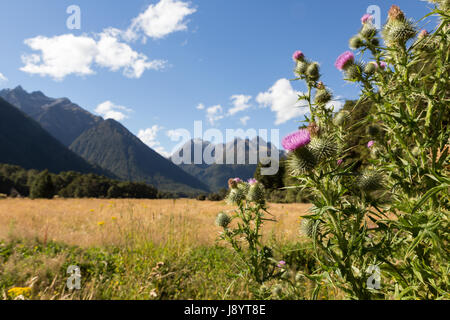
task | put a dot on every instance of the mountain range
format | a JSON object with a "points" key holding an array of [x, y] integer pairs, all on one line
{"points": [[25, 143], [59, 135], [215, 172], [93, 140]]}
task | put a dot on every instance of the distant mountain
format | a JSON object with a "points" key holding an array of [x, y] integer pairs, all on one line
{"points": [[113, 147], [63, 119], [25, 143], [216, 174]]}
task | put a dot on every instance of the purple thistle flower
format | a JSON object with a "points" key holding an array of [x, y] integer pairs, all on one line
{"points": [[383, 65], [296, 140], [297, 56], [366, 18], [370, 144], [339, 162], [252, 181], [237, 180], [344, 60], [281, 264]]}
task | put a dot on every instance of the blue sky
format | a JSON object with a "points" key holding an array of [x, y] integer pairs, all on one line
{"points": [[151, 63]]}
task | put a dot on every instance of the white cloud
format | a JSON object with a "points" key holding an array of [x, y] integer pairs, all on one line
{"points": [[244, 120], [282, 99], [149, 137], [240, 103], [160, 20], [214, 114], [109, 110], [200, 106], [3, 78], [67, 54]]}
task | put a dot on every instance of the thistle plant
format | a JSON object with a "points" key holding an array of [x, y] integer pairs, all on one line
{"points": [[249, 217], [392, 214]]}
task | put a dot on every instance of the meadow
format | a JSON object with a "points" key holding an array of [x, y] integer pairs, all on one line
{"points": [[129, 249]]}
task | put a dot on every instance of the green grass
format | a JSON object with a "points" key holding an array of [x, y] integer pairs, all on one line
{"points": [[144, 271]]}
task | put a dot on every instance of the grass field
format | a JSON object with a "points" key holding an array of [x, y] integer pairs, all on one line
{"points": [[129, 249]]}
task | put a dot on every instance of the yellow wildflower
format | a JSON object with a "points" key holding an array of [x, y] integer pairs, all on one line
{"points": [[101, 223], [16, 292]]}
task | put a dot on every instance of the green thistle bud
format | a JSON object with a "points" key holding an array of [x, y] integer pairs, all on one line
{"points": [[341, 117], [236, 196], [308, 227], [354, 72], [323, 96], [356, 42], [301, 67], [223, 220], [368, 31], [301, 161], [256, 193], [370, 68], [399, 32], [370, 180], [313, 71], [323, 148]]}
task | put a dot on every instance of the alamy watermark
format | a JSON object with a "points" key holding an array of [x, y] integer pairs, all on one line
{"points": [[74, 281], [251, 148], [74, 20]]}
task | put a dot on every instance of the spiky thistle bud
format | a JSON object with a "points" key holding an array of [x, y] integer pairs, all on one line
{"points": [[341, 117], [313, 71], [370, 180], [301, 161], [398, 32], [356, 42], [301, 67], [323, 96], [308, 227], [354, 72], [223, 220], [323, 148], [256, 193], [370, 68], [235, 196], [368, 31]]}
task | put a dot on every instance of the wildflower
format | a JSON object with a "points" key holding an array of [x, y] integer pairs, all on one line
{"points": [[92, 210], [113, 218], [339, 162], [298, 56], [345, 60], [153, 293], [101, 223], [281, 264], [296, 140], [252, 181], [383, 65], [19, 292], [370, 144], [366, 18]]}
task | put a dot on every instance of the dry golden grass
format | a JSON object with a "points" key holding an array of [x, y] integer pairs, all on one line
{"points": [[98, 222]]}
